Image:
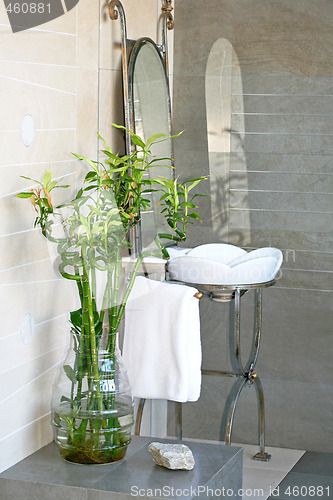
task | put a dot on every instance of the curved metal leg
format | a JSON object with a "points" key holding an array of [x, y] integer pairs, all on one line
{"points": [[138, 419], [261, 455], [247, 374], [230, 408]]}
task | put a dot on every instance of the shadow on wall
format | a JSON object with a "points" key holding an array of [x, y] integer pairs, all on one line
{"points": [[221, 87]]}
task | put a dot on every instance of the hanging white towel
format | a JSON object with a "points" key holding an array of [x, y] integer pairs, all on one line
{"points": [[162, 349]]}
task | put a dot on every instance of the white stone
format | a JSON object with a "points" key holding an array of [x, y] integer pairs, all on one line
{"points": [[172, 456]]}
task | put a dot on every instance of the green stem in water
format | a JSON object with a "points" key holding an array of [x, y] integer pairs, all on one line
{"points": [[92, 335]]}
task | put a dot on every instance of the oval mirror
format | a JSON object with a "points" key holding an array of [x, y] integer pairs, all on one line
{"points": [[150, 114]]}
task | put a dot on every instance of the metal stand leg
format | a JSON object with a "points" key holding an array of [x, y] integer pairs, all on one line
{"points": [[262, 454], [230, 408], [245, 375], [179, 421], [138, 419]]}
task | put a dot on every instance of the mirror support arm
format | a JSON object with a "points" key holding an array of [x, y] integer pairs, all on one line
{"points": [[116, 10], [168, 24]]}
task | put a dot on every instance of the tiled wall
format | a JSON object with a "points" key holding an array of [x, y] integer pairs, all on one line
{"points": [[66, 75], [271, 185]]}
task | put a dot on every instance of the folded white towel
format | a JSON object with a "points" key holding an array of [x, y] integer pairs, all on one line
{"points": [[162, 349]]}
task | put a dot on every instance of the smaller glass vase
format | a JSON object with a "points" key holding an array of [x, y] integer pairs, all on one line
{"points": [[92, 406]]}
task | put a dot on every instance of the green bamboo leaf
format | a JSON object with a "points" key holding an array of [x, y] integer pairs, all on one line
{"points": [[120, 127], [76, 317], [188, 204], [115, 223], [89, 162], [24, 195], [138, 141], [70, 373], [90, 175], [159, 159], [194, 215], [155, 137], [47, 178], [105, 143], [30, 179], [65, 398], [111, 155], [202, 178], [198, 194], [51, 185]]}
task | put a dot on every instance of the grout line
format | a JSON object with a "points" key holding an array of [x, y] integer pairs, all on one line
{"points": [[302, 289], [312, 212], [25, 426], [254, 113], [40, 64], [3, 285], [293, 250], [275, 191], [55, 162], [24, 386], [37, 85], [279, 172], [282, 95], [306, 270], [30, 263], [289, 134]]}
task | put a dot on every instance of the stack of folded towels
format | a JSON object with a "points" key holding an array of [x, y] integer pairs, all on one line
{"points": [[162, 349]]}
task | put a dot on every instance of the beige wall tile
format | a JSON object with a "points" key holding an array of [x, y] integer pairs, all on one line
{"points": [[35, 248], [141, 18], [111, 109], [29, 372], [42, 270], [38, 47], [59, 79], [39, 391], [49, 336], [49, 108], [34, 297], [87, 33], [25, 441], [48, 146], [87, 112]]}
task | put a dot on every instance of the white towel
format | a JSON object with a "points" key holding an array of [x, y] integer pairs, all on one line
{"points": [[162, 349]]}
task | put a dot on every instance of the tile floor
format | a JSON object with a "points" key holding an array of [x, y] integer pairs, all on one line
{"points": [[261, 479], [288, 475], [311, 478]]}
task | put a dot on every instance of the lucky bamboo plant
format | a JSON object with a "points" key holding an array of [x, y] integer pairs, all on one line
{"points": [[95, 235]]}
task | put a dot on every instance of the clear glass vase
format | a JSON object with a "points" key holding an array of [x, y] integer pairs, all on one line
{"points": [[92, 406]]}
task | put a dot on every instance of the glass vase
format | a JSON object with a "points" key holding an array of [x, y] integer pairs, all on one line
{"points": [[92, 406]]}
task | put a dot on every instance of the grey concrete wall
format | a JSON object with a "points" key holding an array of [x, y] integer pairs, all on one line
{"points": [[271, 185]]}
